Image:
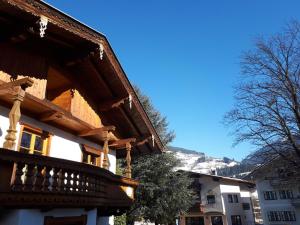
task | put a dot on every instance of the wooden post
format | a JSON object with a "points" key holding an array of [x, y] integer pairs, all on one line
{"points": [[105, 162], [14, 117], [15, 112], [128, 160]]}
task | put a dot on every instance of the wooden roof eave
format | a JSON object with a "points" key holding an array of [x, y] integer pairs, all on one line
{"points": [[58, 18]]}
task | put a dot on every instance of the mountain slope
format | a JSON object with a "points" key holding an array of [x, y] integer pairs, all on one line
{"points": [[198, 162]]}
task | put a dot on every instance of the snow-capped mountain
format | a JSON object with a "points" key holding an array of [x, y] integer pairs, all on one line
{"points": [[198, 162]]}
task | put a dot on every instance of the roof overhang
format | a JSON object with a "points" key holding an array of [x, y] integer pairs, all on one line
{"points": [[76, 47]]}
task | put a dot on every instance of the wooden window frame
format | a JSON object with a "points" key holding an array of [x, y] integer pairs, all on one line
{"points": [[90, 151], [35, 132]]}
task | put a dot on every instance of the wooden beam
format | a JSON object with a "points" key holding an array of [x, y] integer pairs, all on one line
{"points": [[121, 142], [143, 141], [49, 116], [24, 83], [95, 131], [110, 104]]}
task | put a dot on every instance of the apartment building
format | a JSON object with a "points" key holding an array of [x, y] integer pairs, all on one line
{"points": [[221, 201], [278, 193]]}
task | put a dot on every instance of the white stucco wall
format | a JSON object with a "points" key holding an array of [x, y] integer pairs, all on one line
{"points": [[63, 145], [232, 209], [210, 187], [278, 204]]}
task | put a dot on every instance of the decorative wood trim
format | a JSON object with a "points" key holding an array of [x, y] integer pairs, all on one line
{"points": [[128, 160], [121, 143], [49, 116], [23, 83], [38, 8], [108, 105], [74, 220], [95, 131], [143, 141], [105, 161]]}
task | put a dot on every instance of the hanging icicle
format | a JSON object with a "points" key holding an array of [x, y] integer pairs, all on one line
{"points": [[101, 50], [130, 101], [43, 22], [153, 139]]}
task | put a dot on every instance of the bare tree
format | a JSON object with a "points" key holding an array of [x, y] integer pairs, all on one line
{"points": [[267, 108]]}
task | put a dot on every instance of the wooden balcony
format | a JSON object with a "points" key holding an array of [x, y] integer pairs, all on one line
{"points": [[33, 181]]}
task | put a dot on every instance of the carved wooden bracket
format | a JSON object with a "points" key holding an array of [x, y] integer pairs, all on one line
{"points": [[95, 131], [108, 105], [10, 86], [51, 116], [121, 143], [143, 141]]}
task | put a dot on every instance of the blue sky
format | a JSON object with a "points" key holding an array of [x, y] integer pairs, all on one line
{"points": [[185, 56]]}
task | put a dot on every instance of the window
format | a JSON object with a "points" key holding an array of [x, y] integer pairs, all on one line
{"points": [[90, 155], [233, 198], [246, 206], [236, 220], [216, 220], [270, 195], [194, 220], [230, 198], [33, 141], [286, 194], [211, 199], [89, 158], [281, 216]]}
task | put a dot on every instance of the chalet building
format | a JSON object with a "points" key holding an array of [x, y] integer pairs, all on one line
{"points": [[67, 113], [278, 192], [222, 201]]}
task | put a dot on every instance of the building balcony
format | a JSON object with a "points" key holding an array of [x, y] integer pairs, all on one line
{"points": [[197, 208], [35, 181], [296, 202]]}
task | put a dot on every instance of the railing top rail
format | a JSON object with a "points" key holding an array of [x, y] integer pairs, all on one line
{"points": [[19, 157]]}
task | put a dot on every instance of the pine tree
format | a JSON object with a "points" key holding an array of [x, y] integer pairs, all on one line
{"points": [[162, 193]]}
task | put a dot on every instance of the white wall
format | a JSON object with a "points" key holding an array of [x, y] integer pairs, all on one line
{"points": [[276, 205], [210, 187], [232, 209], [63, 145]]}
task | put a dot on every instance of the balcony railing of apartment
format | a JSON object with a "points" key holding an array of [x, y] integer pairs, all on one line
{"points": [[28, 180], [296, 202], [197, 208]]}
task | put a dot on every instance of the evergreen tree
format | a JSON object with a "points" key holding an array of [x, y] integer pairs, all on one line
{"points": [[159, 122], [162, 193]]}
